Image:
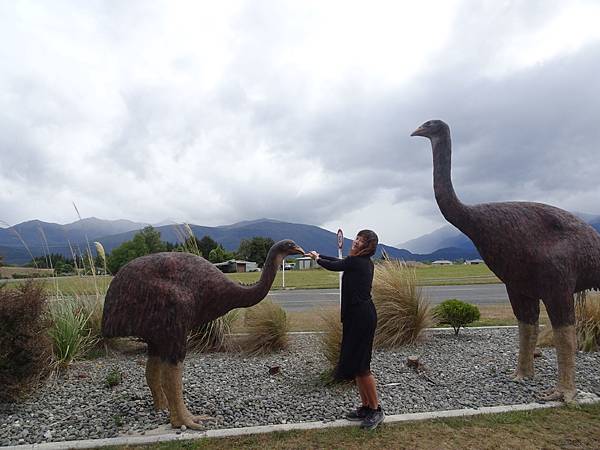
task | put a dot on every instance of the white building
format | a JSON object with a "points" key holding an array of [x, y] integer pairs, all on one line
{"points": [[442, 262], [474, 261], [305, 262]]}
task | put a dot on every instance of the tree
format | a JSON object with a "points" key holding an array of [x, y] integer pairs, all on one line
{"points": [[255, 249], [143, 243], [219, 254], [151, 239], [206, 245]]}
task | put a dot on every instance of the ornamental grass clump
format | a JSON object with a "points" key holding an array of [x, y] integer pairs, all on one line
{"points": [[70, 330], [456, 313], [587, 324], [331, 342], [25, 350], [402, 311], [267, 325], [212, 336]]}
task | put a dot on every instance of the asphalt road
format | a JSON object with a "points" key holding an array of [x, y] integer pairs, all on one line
{"points": [[478, 294]]}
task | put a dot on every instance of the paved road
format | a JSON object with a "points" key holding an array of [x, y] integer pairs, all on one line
{"points": [[479, 294]]}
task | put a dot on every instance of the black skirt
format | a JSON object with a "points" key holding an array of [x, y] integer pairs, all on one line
{"points": [[358, 330]]}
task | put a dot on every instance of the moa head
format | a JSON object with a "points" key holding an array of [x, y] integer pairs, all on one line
{"points": [[287, 247], [431, 129]]}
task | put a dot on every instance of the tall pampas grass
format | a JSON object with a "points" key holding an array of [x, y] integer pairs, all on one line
{"points": [[212, 336], [587, 324], [267, 325], [403, 313]]}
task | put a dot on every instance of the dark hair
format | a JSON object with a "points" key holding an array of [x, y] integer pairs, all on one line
{"points": [[370, 243]]}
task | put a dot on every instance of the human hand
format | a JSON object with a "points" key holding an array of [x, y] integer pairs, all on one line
{"points": [[314, 255]]}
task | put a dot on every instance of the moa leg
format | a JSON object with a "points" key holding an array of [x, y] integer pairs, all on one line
{"points": [[527, 311], [561, 311], [172, 385], [154, 379]]}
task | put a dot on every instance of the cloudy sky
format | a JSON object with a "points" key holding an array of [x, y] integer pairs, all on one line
{"points": [[216, 112]]}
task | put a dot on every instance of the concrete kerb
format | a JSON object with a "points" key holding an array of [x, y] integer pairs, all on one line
{"points": [[492, 327], [584, 398]]}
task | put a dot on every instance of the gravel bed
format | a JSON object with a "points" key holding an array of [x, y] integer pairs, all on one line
{"points": [[468, 371]]}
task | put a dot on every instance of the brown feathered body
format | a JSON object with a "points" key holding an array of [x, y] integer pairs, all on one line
{"points": [[161, 297], [536, 249]]}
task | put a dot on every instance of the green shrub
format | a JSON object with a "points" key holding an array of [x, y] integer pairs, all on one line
{"points": [[402, 311], [212, 336], [114, 377], [456, 313], [267, 325], [25, 350], [70, 330]]}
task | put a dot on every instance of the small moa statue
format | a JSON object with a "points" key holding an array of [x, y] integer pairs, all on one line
{"points": [[161, 297], [537, 250]]}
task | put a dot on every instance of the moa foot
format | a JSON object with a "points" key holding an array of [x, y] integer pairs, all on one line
{"points": [[560, 395], [190, 421]]}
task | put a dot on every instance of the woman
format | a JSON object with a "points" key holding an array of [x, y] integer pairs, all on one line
{"points": [[359, 320]]}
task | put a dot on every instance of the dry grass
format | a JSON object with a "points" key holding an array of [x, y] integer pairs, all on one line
{"points": [[213, 335], [267, 326], [587, 314], [402, 311], [25, 350], [556, 428], [588, 323], [331, 339]]}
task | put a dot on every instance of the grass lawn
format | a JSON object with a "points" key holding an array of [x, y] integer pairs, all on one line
{"points": [[298, 279], [426, 275], [556, 428]]}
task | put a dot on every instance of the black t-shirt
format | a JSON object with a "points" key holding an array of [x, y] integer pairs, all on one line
{"points": [[356, 281]]}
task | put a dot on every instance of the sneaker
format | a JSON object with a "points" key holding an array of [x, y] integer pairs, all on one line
{"points": [[358, 413], [373, 419]]}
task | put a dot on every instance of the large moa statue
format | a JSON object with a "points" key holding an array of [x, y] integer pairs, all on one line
{"points": [[161, 297], [537, 250]]}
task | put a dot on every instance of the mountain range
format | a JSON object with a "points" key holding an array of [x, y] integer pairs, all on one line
{"points": [[35, 238]]}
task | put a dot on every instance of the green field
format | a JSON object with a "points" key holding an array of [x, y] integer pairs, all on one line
{"points": [[427, 276], [297, 279]]}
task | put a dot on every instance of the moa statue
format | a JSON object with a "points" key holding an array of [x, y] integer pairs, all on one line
{"points": [[161, 297], [538, 251]]}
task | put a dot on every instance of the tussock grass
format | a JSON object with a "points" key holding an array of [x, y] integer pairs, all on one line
{"points": [[587, 315], [70, 330], [402, 311], [330, 342], [25, 350], [267, 325], [212, 336]]}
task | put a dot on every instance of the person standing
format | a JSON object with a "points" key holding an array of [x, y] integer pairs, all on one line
{"points": [[359, 320]]}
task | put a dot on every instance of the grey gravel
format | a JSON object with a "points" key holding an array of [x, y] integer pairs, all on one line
{"points": [[469, 371]]}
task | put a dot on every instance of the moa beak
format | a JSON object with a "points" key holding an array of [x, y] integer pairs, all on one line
{"points": [[418, 132], [299, 250]]}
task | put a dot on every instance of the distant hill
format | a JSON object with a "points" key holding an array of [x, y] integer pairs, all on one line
{"points": [[310, 237], [43, 237]]}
